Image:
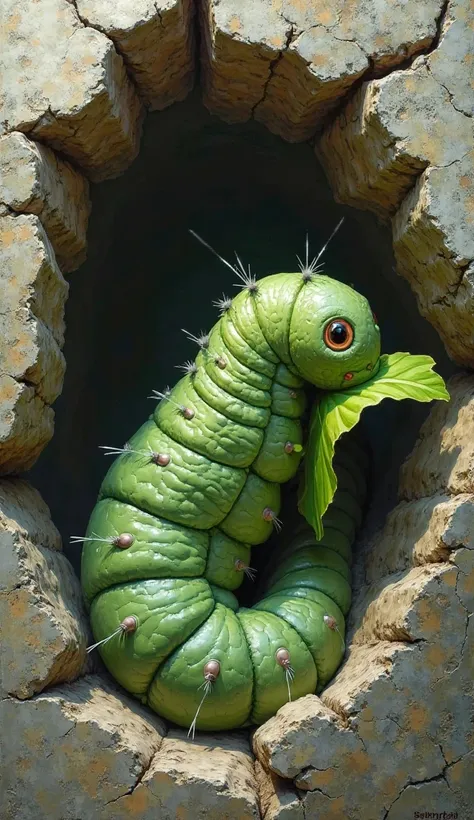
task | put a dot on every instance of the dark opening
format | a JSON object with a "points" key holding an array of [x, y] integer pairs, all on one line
{"points": [[145, 278]]}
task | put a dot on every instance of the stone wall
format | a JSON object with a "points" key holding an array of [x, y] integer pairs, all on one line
{"points": [[384, 92]]}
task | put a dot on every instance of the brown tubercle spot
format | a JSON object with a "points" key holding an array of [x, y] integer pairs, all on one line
{"points": [[124, 540]]}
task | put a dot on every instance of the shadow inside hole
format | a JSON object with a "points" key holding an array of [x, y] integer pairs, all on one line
{"points": [[241, 188]]}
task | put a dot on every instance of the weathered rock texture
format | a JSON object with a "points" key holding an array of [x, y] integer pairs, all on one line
{"points": [[211, 777], [290, 63], [396, 722], [155, 39], [278, 798], [403, 148], [108, 758], [43, 631], [73, 751], [32, 295], [433, 231], [72, 90], [392, 734], [34, 180]]}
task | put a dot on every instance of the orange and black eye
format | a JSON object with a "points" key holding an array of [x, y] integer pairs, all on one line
{"points": [[338, 335]]}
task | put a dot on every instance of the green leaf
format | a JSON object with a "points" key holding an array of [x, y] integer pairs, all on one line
{"points": [[400, 376]]}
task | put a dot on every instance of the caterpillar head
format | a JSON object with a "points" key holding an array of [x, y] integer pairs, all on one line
{"points": [[334, 335]]}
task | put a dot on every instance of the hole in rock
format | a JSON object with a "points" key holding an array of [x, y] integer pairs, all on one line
{"points": [[240, 188]]}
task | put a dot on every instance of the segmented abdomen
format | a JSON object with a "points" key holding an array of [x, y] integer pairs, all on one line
{"points": [[199, 488]]}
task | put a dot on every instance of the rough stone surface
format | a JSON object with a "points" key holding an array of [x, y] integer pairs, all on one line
{"points": [[32, 294], [433, 230], [392, 733], [278, 800], [26, 425], [24, 513], [451, 64], [420, 532], [155, 39], [34, 180], [289, 64], [211, 777], [443, 457], [287, 743], [389, 132], [72, 91], [73, 751], [403, 148], [43, 630]]}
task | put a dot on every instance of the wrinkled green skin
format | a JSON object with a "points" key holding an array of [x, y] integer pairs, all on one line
{"points": [[194, 517]]}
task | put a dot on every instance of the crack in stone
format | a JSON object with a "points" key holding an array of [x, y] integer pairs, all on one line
{"points": [[439, 28], [145, 769], [439, 778], [87, 24], [451, 99], [272, 67], [271, 70], [71, 729], [321, 791], [373, 72]]}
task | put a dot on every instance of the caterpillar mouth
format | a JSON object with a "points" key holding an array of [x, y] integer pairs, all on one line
{"points": [[369, 371]]}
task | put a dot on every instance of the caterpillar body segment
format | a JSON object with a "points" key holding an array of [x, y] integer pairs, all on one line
{"points": [[229, 434]]}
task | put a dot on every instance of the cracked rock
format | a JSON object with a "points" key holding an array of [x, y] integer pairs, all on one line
{"points": [[209, 778], [395, 716], [239, 45], [43, 628], [73, 92], [277, 799], [419, 532], [73, 751], [24, 513], [443, 457], [32, 294], [156, 41], [451, 64], [289, 64], [26, 425], [304, 734], [34, 180], [307, 82], [389, 132], [434, 796], [391, 703], [411, 606], [376, 150], [464, 561], [433, 231]]}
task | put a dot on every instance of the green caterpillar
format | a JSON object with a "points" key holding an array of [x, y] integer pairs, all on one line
{"points": [[199, 484]]}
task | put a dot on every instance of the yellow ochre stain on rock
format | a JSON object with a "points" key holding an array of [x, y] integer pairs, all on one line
{"points": [[235, 24], [19, 604], [335, 810], [325, 777], [429, 617], [138, 802], [7, 238], [319, 59], [34, 738], [358, 762], [326, 17], [416, 718], [276, 42], [435, 656]]}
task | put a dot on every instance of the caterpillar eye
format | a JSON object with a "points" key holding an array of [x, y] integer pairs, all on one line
{"points": [[338, 334]]}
